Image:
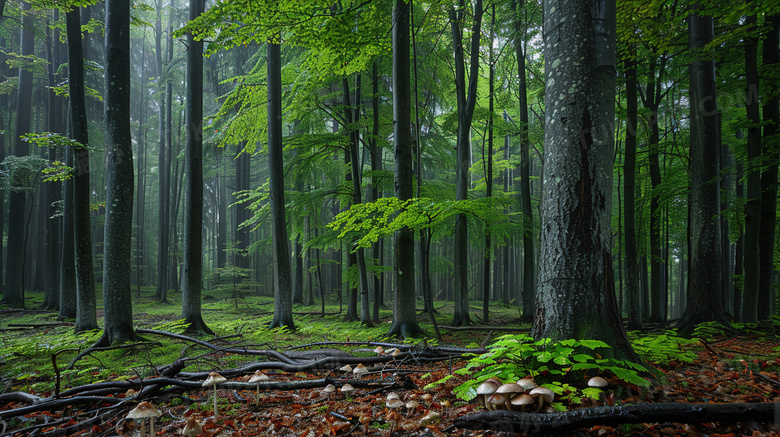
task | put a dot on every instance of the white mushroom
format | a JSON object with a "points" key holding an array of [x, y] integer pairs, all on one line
{"points": [[256, 378], [360, 370], [212, 381], [597, 382], [192, 428], [144, 411]]}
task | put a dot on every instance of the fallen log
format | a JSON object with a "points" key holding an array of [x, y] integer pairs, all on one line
{"points": [[529, 423]]}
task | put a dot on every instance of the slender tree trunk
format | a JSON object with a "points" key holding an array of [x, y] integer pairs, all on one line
{"points": [[404, 315], [529, 266], [192, 282], [14, 274], [117, 302], [576, 296], [163, 169], [54, 189], [466, 101], [86, 310], [771, 112], [739, 269], [68, 303], [489, 170], [376, 167], [629, 189], [703, 303], [282, 287], [352, 116], [141, 175]]}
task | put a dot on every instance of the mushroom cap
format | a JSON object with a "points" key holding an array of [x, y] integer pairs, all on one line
{"points": [[360, 369], [259, 376], [330, 388], [527, 383], [142, 411], [347, 387], [391, 351], [545, 392], [427, 397], [521, 400], [412, 405], [379, 350], [395, 353], [392, 395], [510, 389], [346, 368], [597, 382], [486, 388], [213, 379], [495, 381], [192, 428], [395, 403], [496, 399]]}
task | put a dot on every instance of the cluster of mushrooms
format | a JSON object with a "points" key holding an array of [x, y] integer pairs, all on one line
{"points": [[523, 395]]}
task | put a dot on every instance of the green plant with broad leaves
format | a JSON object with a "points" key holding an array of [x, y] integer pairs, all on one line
{"points": [[560, 366], [663, 348]]}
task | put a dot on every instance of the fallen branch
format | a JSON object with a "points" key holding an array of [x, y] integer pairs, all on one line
{"points": [[89, 351], [241, 351], [57, 404], [528, 423], [485, 328]]}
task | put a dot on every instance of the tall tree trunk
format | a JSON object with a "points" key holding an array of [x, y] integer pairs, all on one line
{"points": [[192, 281], [376, 167], [117, 302], [54, 189], [529, 266], [141, 174], [629, 189], [404, 315], [752, 264], [352, 116], [466, 101], [14, 274], [703, 303], [489, 169], [86, 310], [576, 296], [67, 275], [771, 55], [282, 287], [163, 168], [739, 266]]}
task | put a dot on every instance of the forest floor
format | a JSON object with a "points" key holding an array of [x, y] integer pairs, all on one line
{"points": [[741, 367]]}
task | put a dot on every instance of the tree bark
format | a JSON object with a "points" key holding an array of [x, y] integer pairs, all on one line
{"points": [[404, 315], [752, 264], [192, 282], [163, 169], [282, 281], [86, 302], [529, 266], [703, 303], [629, 208], [117, 300], [576, 294], [15, 254], [466, 102], [771, 112]]}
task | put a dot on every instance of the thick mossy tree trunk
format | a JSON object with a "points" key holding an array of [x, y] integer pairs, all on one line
{"points": [[86, 302], [704, 302], [117, 299], [576, 294], [404, 314], [192, 281], [282, 275], [15, 254], [466, 99]]}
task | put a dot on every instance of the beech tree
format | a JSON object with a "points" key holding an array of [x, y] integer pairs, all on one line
{"points": [[117, 298], [576, 294], [192, 282]]}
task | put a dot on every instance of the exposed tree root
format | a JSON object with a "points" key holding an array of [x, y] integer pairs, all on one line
{"points": [[529, 423]]}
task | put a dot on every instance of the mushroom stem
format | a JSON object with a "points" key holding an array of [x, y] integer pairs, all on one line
{"points": [[215, 400], [151, 427], [143, 427], [257, 398]]}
